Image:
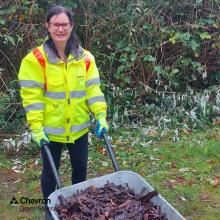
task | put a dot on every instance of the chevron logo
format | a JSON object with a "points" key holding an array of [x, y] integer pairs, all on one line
{"points": [[13, 201]]}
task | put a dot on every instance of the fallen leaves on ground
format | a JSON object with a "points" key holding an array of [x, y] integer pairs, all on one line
{"points": [[211, 161], [170, 183], [173, 165], [204, 198], [102, 150], [214, 181]]}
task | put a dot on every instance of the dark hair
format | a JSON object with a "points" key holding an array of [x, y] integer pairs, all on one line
{"points": [[73, 42]]}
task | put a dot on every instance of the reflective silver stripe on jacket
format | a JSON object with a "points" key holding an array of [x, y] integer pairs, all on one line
{"points": [[96, 99], [56, 95], [93, 82], [31, 84], [35, 106], [75, 128], [49, 130], [77, 94]]}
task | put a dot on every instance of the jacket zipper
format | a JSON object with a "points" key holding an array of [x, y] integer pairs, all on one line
{"points": [[68, 105]]}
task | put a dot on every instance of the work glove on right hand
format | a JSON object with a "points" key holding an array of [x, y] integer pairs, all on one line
{"points": [[101, 126], [39, 137]]}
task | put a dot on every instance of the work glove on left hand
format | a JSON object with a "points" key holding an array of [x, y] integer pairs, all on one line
{"points": [[101, 126], [39, 137]]}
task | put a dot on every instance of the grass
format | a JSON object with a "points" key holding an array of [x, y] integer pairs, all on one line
{"points": [[186, 172]]}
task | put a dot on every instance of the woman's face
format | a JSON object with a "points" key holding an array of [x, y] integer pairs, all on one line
{"points": [[60, 28]]}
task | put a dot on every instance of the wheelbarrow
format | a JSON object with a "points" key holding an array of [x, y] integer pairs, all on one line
{"points": [[134, 181]]}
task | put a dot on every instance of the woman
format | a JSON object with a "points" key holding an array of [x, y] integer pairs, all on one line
{"points": [[60, 86]]}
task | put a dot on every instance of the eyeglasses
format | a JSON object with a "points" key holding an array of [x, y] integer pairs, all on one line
{"points": [[65, 26]]}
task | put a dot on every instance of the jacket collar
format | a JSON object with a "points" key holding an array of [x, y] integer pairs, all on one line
{"points": [[75, 55]]}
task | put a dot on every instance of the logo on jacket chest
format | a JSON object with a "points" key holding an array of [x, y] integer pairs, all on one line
{"points": [[80, 77], [80, 81]]}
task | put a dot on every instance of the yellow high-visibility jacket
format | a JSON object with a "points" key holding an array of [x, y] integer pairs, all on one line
{"points": [[72, 92]]}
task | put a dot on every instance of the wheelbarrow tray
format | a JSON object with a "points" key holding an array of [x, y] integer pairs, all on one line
{"points": [[132, 179]]}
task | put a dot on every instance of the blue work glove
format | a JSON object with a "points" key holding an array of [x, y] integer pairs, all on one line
{"points": [[101, 126], [39, 137]]}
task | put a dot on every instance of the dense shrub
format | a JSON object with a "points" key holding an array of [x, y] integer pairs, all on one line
{"points": [[167, 45]]}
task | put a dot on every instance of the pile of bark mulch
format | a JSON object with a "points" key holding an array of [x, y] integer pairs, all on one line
{"points": [[110, 202]]}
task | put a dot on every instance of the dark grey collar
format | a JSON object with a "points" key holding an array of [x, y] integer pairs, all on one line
{"points": [[74, 55]]}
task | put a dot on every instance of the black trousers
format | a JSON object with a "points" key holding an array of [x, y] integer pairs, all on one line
{"points": [[78, 157]]}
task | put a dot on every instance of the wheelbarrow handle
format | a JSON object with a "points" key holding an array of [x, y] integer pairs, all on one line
{"points": [[110, 152], [52, 165]]}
